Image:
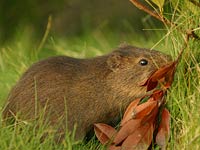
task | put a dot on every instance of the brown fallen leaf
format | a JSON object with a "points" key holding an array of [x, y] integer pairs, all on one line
{"points": [[162, 136], [126, 130], [104, 132], [140, 139], [129, 111]]}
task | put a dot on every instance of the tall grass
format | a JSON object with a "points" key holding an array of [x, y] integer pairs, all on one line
{"points": [[183, 99]]}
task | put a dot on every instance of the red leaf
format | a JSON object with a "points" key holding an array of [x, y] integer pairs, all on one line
{"points": [[162, 136], [134, 114], [129, 111], [113, 147], [161, 72], [104, 132], [170, 77], [126, 130], [151, 85], [150, 118], [144, 109], [166, 72], [140, 139], [157, 95]]}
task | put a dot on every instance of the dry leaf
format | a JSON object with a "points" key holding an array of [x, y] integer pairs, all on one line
{"points": [[129, 111], [151, 85], [140, 139], [144, 109], [170, 76], [162, 136], [157, 95], [166, 72], [152, 116], [126, 130], [113, 147], [161, 72], [104, 132]]}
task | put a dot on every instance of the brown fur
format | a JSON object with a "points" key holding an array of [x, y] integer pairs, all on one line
{"points": [[82, 91]]}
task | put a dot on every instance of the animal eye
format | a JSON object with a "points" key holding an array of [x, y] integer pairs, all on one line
{"points": [[143, 62]]}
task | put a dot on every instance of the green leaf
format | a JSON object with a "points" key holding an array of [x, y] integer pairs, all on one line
{"points": [[159, 3]]}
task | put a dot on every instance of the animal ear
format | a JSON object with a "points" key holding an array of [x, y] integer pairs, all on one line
{"points": [[124, 45], [115, 61]]}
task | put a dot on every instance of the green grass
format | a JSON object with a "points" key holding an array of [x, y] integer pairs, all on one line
{"points": [[183, 99]]}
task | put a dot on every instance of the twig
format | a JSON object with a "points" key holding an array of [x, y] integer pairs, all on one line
{"points": [[191, 34], [150, 12], [45, 34], [146, 9], [139, 5]]}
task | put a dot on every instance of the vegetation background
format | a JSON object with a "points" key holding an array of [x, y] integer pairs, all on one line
{"points": [[90, 28]]}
